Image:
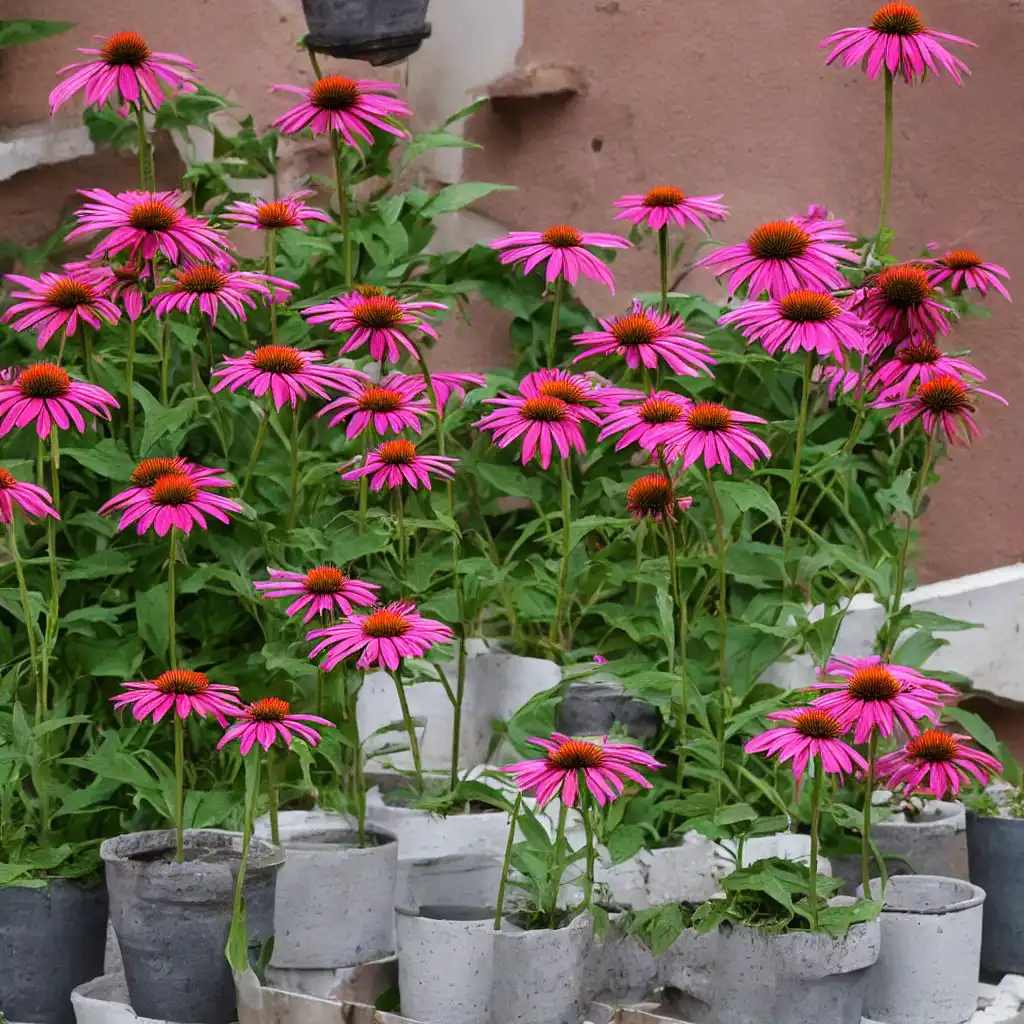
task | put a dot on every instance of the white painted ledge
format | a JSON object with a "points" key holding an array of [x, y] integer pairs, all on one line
{"points": [[38, 144]]}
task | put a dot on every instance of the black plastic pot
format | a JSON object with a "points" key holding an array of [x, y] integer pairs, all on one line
{"points": [[51, 941], [592, 708], [377, 31], [995, 850]]}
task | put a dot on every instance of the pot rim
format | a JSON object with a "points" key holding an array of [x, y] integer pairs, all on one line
{"points": [[976, 899], [416, 912], [300, 835], [263, 855]]}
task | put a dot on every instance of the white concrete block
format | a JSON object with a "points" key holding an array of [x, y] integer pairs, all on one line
{"points": [[37, 144]]}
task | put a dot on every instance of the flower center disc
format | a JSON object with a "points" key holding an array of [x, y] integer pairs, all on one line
{"points": [[7, 480], [182, 682], [397, 453], [805, 307], [126, 49], [650, 496], [873, 683], [381, 400], [148, 471], [277, 359], [270, 709], [44, 380], [709, 416], [561, 236], [904, 287], [635, 329], [574, 754], [325, 579], [377, 312], [897, 19], [384, 623], [202, 279], [779, 240], [664, 195], [153, 215], [819, 725], [944, 395], [174, 489], [334, 92], [566, 390], [962, 259], [544, 410], [921, 353], [933, 745], [69, 292], [659, 410], [275, 214]]}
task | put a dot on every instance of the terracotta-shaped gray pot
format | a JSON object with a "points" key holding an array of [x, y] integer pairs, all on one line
{"points": [[996, 851], [172, 920], [378, 31], [538, 974], [51, 940]]}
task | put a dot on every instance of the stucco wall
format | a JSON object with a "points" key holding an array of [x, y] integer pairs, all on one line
{"points": [[709, 97]]}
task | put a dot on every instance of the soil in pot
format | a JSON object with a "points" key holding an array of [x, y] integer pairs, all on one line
{"points": [[172, 920], [996, 852], [335, 899], [445, 963], [52, 939], [378, 31]]}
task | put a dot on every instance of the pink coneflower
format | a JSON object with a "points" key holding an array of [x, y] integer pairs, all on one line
{"points": [[576, 390], [349, 106], [447, 384], [274, 214], [146, 223], [639, 421], [943, 402], [127, 289], [323, 590], [846, 667], [900, 303], [181, 691], [784, 256], [377, 319], [665, 203], [385, 637], [148, 471], [31, 499], [965, 269], [47, 394], [388, 407], [175, 500], [936, 762], [394, 463], [211, 287], [812, 732], [569, 764], [644, 336], [897, 40], [915, 362], [652, 497], [840, 379], [803, 320], [125, 66], [562, 248], [59, 301], [287, 373], [268, 720], [543, 423], [872, 696], [712, 433]]}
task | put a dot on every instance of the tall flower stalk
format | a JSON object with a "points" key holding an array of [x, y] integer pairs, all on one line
{"points": [[555, 634], [801, 432], [887, 165]]}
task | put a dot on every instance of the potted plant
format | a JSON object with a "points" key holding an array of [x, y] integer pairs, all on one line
{"points": [[377, 31]]}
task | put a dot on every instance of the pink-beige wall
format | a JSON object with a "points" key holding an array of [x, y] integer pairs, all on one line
{"points": [[727, 97]]}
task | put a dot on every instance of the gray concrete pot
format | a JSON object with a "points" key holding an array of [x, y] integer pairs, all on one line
{"points": [[335, 903], [378, 31], [592, 708], [792, 978], [996, 850], [619, 968], [446, 963], [172, 920], [927, 972], [538, 975], [51, 940]]}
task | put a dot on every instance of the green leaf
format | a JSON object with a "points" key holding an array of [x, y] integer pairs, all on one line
{"points": [[151, 612], [897, 497], [458, 196], [977, 727], [625, 842], [104, 459], [915, 651], [533, 831], [935, 623], [838, 920], [99, 565], [17, 33], [746, 495], [509, 481], [466, 111], [170, 423], [434, 140]]}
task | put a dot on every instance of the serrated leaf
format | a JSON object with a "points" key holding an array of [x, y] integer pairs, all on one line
{"points": [[747, 496], [105, 459], [458, 196]]}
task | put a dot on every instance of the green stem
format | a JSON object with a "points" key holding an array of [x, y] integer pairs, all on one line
{"points": [[555, 635], [172, 646], [271, 267], [410, 728], [869, 786], [364, 482], [559, 855], [588, 830], [360, 782], [293, 507], [179, 789], [553, 330], [249, 814], [260, 434], [723, 624], [275, 835], [663, 259], [684, 697], [507, 862], [165, 363], [129, 377], [887, 169], [26, 609], [53, 611], [460, 691], [339, 178], [815, 820], [801, 431], [399, 499], [90, 371], [147, 170]]}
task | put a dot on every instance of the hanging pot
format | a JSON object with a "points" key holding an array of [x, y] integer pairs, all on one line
{"points": [[377, 31]]}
